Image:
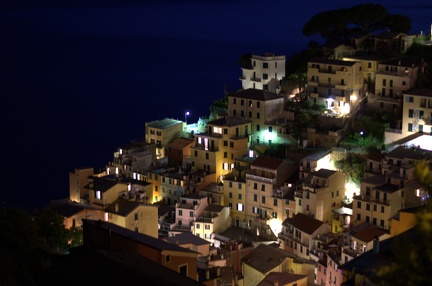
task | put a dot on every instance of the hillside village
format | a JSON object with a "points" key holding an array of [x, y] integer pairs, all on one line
{"points": [[257, 194]]}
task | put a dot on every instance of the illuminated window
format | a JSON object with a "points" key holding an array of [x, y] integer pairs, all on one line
{"points": [[217, 130], [106, 216], [98, 195], [240, 207], [199, 140], [225, 166]]}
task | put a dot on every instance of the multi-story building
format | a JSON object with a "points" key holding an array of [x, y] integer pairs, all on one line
{"points": [[105, 190], [360, 239], [178, 149], [161, 132], [265, 73], [320, 193], [214, 193], [393, 77], [234, 188], [190, 207], [131, 160], [224, 140], [136, 216], [335, 83], [417, 111], [262, 182], [214, 219], [369, 65], [314, 162], [172, 185], [260, 107], [77, 180], [298, 234], [341, 219]]}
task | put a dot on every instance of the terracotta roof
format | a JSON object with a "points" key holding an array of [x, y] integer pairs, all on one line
{"points": [[264, 258], [368, 234], [324, 173], [181, 143], [267, 162], [304, 223], [214, 208], [231, 120], [255, 94]]}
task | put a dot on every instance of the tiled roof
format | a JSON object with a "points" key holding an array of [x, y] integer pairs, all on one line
{"points": [[368, 234], [231, 120], [411, 153], [264, 258], [304, 223], [421, 91], [214, 208], [125, 207], [267, 162], [185, 238], [388, 188], [102, 184], [164, 123], [332, 62], [255, 94], [180, 143], [67, 208], [374, 180], [324, 173], [138, 237]]}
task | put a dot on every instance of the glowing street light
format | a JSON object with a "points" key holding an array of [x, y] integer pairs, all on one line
{"points": [[186, 115]]}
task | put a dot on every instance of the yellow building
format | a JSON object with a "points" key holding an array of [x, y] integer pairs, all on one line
{"points": [[136, 216], [224, 140], [234, 189], [263, 181], [337, 84], [77, 182], [417, 111], [258, 106], [161, 132], [105, 190], [215, 219], [320, 193], [404, 220], [265, 259]]}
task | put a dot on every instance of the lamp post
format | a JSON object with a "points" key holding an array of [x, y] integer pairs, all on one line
{"points": [[186, 115]]}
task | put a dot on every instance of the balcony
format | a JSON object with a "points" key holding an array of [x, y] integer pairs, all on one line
{"points": [[256, 79], [252, 176], [370, 199]]}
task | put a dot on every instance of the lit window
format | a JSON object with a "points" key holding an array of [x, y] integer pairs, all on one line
{"points": [[240, 207], [98, 195], [217, 130]]}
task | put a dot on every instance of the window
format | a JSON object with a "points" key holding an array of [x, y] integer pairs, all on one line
{"points": [[191, 214], [198, 225], [255, 198], [375, 208], [231, 144], [225, 154], [234, 100], [239, 196], [230, 195], [410, 127], [167, 258], [225, 130], [382, 209], [265, 65], [409, 99], [359, 217], [382, 223], [207, 226], [369, 65], [274, 214], [275, 202], [258, 127], [270, 129], [207, 156], [359, 205], [255, 186], [410, 113], [242, 102], [239, 186], [265, 76], [98, 195], [196, 153], [225, 143], [258, 104], [180, 212], [263, 199], [240, 207], [368, 207], [258, 115], [136, 216]]}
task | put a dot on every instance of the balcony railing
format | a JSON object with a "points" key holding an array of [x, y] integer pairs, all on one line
{"points": [[261, 179]]}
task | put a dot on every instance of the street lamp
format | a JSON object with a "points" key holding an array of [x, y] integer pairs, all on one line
{"points": [[186, 115]]}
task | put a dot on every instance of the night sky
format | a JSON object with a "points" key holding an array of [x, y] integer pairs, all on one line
{"points": [[79, 79]]}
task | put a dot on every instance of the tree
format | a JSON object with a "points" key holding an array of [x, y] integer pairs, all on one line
{"points": [[338, 24], [51, 228]]}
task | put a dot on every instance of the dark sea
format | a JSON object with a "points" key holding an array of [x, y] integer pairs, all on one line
{"points": [[78, 81]]}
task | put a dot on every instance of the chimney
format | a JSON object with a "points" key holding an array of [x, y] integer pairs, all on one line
{"points": [[376, 245]]}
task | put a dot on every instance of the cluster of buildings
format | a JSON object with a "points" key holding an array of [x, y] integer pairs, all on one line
{"points": [[214, 208]]}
